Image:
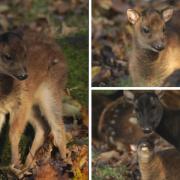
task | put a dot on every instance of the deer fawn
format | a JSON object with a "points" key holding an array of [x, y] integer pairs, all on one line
{"points": [[156, 42], [152, 116], [161, 165], [32, 72]]}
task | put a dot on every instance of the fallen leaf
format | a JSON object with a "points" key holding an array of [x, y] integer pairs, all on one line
{"points": [[66, 30]]}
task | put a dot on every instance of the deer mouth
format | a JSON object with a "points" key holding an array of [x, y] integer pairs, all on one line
{"points": [[146, 145], [158, 47]]}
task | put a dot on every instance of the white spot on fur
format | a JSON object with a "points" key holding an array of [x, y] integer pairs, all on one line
{"points": [[128, 94], [111, 140], [133, 120], [55, 61], [133, 147], [112, 122]]}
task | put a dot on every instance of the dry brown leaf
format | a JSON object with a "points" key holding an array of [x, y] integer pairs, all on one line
{"points": [[106, 4], [85, 116], [48, 172], [106, 156], [80, 163], [62, 7], [66, 30]]}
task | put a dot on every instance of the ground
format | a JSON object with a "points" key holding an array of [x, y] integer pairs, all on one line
{"points": [[67, 23]]}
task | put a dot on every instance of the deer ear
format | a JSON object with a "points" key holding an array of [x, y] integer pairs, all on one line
{"points": [[133, 16], [167, 14]]}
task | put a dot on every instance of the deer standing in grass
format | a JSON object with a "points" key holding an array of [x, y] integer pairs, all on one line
{"points": [[32, 72]]}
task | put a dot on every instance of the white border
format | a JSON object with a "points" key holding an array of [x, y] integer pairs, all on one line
{"points": [[105, 88], [90, 92], [135, 88]]}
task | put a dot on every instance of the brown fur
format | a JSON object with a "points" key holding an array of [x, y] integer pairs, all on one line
{"points": [[163, 165], [118, 126], [147, 67], [170, 99], [46, 69]]}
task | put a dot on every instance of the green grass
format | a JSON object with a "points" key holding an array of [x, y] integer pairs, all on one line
{"points": [[75, 48], [124, 82], [104, 171], [107, 172]]}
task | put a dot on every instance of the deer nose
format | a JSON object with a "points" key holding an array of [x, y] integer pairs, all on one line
{"points": [[147, 130], [22, 76], [159, 46]]}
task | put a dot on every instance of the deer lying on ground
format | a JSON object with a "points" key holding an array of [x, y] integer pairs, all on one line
{"points": [[155, 57], [32, 72], [161, 165], [117, 125]]}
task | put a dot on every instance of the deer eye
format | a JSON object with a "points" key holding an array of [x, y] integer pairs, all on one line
{"points": [[7, 56], [145, 29], [153, 107]]}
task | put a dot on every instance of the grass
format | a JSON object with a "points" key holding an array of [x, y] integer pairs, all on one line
{"points": [[127, 82], [75, 48], [109, 172]]}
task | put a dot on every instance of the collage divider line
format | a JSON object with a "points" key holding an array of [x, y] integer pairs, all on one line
{"points": [[90, 91], [135, 88]]}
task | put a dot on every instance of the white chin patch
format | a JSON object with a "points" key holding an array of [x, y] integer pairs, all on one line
{"points": [[145, 149]]}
